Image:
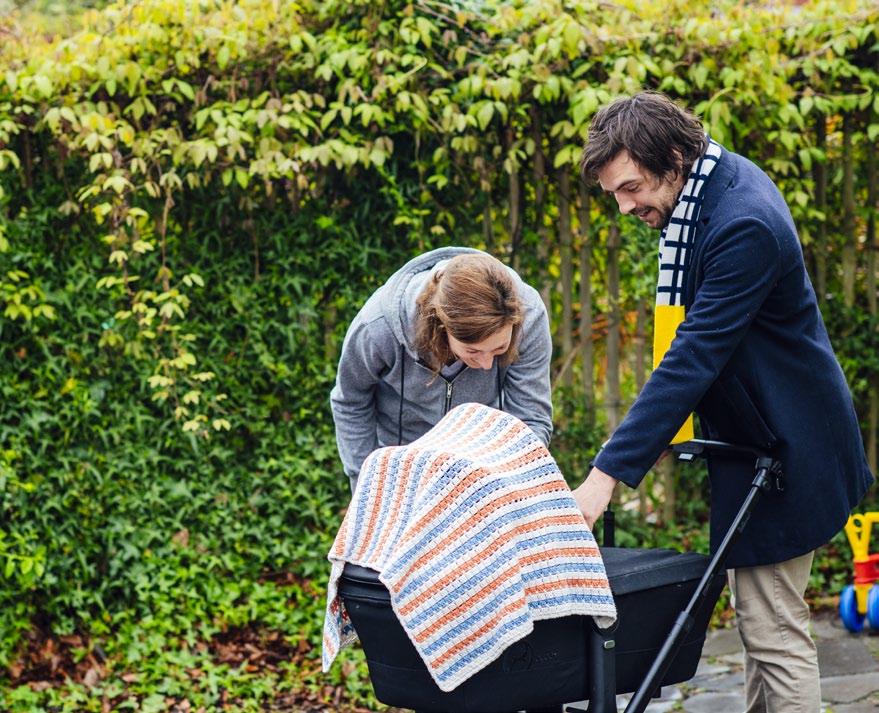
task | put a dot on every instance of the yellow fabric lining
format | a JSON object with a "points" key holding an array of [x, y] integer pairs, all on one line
{"points": [[666, 321]]}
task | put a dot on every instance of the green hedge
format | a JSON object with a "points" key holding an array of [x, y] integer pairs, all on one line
{"points": [[195, 198]]}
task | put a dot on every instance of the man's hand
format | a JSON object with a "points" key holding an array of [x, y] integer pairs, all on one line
{"points": [[594, 494]]}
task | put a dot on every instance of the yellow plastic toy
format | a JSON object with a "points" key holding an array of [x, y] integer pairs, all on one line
{"points": [[861, 600]]}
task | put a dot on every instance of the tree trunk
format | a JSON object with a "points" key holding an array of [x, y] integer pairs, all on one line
{"points": [[820, 246], [850, 235], [27, 163], [586, 351], [487, 232], [669, 499], [612, 378], [566, 269], [485, 185], [540, 182], [515, 202]]}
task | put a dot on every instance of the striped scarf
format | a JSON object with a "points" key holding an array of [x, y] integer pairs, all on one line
{"points": [[476, 536], [674, 249]]}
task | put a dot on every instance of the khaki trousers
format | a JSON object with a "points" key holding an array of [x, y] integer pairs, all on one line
{"points": [[781, 660]]}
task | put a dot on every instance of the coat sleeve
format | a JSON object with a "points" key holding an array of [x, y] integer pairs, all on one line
{"points": [[527, 392], [364, 359], [740, 267]]}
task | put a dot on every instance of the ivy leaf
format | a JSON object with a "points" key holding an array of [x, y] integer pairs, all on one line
{"points": [[484, 114]]}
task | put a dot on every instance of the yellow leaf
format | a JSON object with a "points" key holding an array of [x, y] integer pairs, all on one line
{"points": [[142, 246], [484, 114], [126, 135], [43, 85], [193, 278], [117, 183]]}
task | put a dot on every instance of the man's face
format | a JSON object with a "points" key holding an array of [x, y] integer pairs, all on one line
{"points": [[639, 192]]}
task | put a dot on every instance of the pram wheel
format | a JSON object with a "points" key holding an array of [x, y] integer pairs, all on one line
{"points": [[848, 610], [873, 607]]}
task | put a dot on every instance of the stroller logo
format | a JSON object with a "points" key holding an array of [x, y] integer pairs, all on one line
{"points": [[518, 657]]}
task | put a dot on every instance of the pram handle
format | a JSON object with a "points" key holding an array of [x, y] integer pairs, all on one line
{"points": [[697, 447], [702, 448]]}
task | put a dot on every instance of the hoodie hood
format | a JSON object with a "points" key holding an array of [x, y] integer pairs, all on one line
{"points": [[403, 287]]}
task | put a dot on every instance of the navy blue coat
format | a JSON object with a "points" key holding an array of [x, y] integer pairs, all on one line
{"points": [[753, 360]]}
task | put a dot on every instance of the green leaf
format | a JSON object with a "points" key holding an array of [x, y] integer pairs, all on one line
{"points": [[223, 57], [43, 85], [571, 36], [806, 104], [565, 155], [484, 114], [805, 158], [186, 90]]}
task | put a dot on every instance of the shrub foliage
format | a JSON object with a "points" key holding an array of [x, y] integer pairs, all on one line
{"points": [[195, 198]]}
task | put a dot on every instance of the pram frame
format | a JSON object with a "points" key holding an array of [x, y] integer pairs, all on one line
{"points": [[768, 476]]}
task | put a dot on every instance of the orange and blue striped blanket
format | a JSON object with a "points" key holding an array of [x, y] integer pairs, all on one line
{"points": [[476, 536]]}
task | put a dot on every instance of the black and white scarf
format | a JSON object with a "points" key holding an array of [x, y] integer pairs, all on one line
{"points": [[674, 249]]}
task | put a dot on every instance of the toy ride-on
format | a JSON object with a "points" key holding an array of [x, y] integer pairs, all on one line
{"points": [[860, 600]]}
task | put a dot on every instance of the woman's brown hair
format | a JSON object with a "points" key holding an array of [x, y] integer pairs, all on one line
{"points": [[471, 298]]}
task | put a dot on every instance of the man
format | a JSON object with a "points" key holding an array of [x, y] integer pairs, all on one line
{"points": [[751, 356]]}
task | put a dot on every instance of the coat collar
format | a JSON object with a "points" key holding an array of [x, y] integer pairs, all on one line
{"points": [[722, 176]]}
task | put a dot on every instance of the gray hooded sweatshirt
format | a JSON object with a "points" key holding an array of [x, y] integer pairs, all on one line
{"points": [[385, 396]]}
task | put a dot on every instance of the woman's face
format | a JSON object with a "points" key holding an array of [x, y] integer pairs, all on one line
{"points": [[480, 355]]}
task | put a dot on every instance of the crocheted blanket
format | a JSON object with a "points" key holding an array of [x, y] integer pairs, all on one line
{"points": [[476, 536]]}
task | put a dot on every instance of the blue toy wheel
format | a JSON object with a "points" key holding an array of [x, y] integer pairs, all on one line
{"points": [[873, 607], [848, 610]]}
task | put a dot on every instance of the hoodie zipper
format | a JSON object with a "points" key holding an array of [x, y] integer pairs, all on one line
{"points": [[449, 383], [448, 405]]}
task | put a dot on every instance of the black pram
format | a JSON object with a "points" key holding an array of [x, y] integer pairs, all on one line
{"points": [[664, 602]]}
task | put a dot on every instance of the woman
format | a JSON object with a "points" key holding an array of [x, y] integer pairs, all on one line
{"points": [[451, 326]]}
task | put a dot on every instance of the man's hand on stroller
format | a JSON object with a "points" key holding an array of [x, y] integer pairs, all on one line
{"points": [[593, 495]]}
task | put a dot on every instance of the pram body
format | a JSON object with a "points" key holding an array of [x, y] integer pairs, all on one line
{"points": [[551, 665], [664, 602]]}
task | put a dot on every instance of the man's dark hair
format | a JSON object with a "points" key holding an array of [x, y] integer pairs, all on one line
{"points": [[660, 136]]}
